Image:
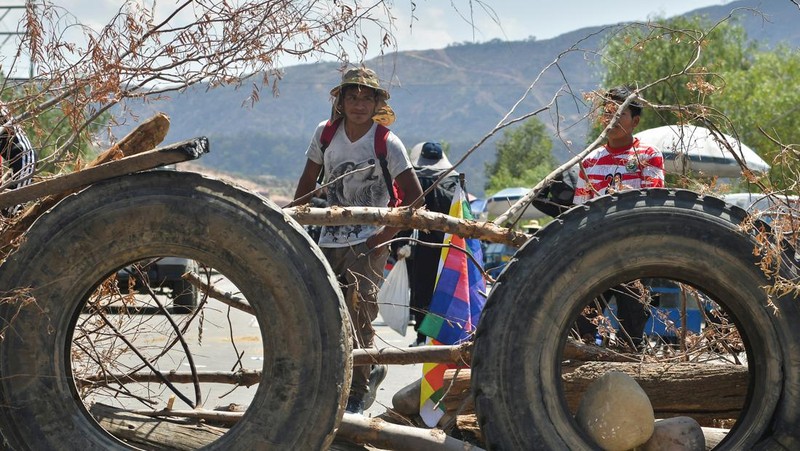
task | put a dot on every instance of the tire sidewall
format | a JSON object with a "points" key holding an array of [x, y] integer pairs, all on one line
{"points": [[615, 240], [278, 269]]}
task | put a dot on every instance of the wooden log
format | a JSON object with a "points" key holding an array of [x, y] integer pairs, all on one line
{"points": [[154, 433], [407, 218], [144, 137], [467, 425], [152, 429], [705, 392], [53, 190], [459, 354], [396, 356], [459, 392], [380, 434], [245, 378]]}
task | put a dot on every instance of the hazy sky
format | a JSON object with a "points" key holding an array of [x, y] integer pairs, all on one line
{"points": [[439, 23]]}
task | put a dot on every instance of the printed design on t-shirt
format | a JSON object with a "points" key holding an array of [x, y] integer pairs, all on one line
{"points": [[632, 165], [614, 181], [361, 186]]}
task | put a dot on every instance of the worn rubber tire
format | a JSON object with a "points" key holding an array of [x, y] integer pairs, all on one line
{"points": [[516, 372], [85, 238]]}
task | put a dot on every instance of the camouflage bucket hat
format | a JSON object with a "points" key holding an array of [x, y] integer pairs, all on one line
{"points": [[363, 77], [384, 114]]}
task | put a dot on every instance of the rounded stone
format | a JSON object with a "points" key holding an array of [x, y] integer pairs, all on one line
{"points": [[676, 434], [616, 412]]}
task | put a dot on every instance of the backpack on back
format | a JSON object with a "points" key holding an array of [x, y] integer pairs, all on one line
{"points": [[441, 197], [381, 135]]}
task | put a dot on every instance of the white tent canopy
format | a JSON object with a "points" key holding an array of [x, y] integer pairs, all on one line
{"points": [[692, 148]]}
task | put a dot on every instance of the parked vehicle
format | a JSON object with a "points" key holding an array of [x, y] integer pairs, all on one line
{"points": [[505, 198], [164, 276], [496, 256], [767, 207]]}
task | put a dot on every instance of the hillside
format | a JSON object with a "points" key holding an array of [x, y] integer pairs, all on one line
{"points": [[456, 94]]}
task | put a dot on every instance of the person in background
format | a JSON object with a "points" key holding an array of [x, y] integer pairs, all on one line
{"points": [[17, 153], [357, 176], [430, 163], [623, 163]]}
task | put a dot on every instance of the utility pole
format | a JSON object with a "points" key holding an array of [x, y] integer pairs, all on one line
{"points": [[7, 32]]}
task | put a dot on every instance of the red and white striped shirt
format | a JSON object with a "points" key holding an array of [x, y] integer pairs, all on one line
{"points": [[635, 167]]}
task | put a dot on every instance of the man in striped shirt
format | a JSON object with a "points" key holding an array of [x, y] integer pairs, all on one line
{"points": [[17, 153], [622, 163]]}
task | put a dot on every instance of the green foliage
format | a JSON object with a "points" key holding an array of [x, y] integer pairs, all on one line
{"points": [[733, 84], [640, 56], [50, 129], [524, 157], [765, 98]]}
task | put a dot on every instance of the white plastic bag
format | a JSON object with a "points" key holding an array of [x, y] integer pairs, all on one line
{"points": [[394, 297]]}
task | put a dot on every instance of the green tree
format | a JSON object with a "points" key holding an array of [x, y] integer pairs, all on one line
{"points": [[524, 157], [734, 84], [642, 55], [48, 130], [765, 98]]}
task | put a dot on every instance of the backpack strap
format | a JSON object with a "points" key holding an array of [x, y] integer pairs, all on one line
{"points": [[325, 141], [381, 150], [381, 136]]}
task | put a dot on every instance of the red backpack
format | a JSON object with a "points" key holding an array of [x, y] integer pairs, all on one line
{"points": [[381, 135]]}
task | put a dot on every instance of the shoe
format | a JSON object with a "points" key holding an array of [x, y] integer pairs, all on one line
{"points": [[376, 375], [355, 405], [419, 342]]}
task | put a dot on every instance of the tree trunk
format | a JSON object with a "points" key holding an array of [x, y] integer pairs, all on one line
{"points": [[144, 137], [407, 218], [460, 354], [704, 392], [154, 433], [141, 427], [50, 192], [379, 433]]}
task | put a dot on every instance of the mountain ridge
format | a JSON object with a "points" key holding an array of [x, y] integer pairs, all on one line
{"points": [[456, 94]]}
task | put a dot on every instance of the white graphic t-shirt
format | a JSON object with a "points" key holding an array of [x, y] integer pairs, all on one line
{"points": [[360, 178]]}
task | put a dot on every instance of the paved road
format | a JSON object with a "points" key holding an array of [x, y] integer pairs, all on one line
{"points": [[221, 355], [223, 333], [399, 375]]}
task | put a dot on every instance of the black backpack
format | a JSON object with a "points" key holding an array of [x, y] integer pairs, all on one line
{"points": [[556, 198], [440, 198]]}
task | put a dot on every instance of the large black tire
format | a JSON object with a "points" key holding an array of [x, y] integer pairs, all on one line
{"points": [[302, 317], [516, 368]]}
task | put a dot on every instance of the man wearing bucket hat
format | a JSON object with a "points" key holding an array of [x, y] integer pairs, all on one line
{"points": [[344, 150]]}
